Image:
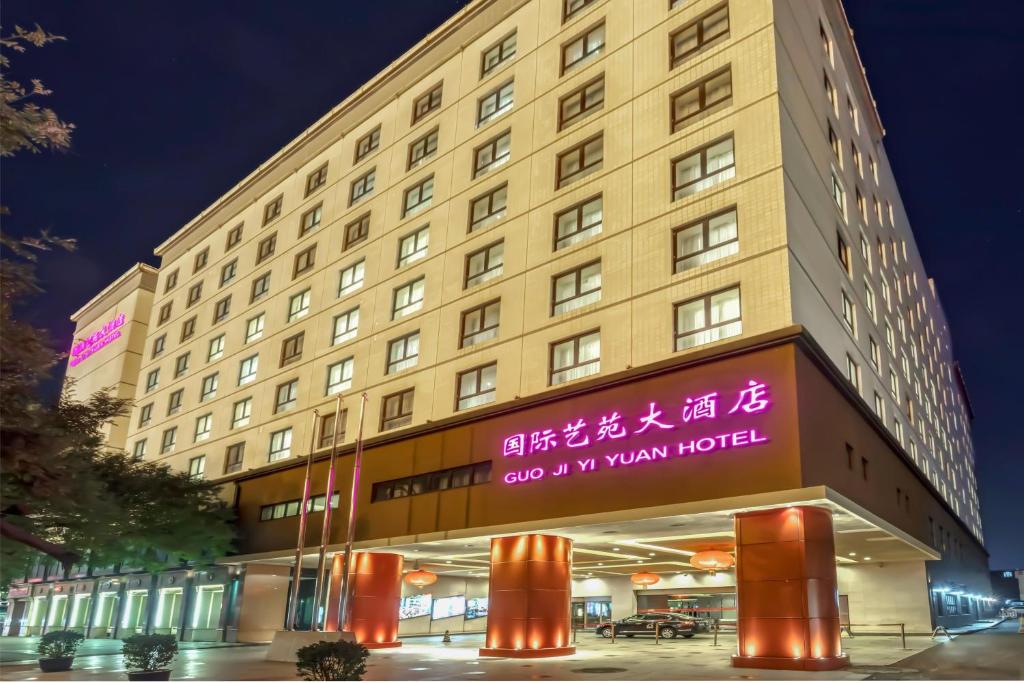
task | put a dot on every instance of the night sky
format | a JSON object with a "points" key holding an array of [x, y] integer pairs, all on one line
{"points": [[176, 102]]}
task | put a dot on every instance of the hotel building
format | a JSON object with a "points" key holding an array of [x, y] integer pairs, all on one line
{"points": [[623, 281]]}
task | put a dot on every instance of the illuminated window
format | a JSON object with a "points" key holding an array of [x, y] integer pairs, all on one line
{"points": [[580, 103], [583, 48], [422, 149], [480, 323], [708, 319], [316, 180], [485, 264], [408, 298], [476, 387], [708, 29], [362, 186], [254, 328], [576, 288], [346, 326], [287, 396], [580, 161], [351, 278], [492, 154], [703, 168], [339, 376], [247, 369], [204, 425], [311, 220], [575, 358], [241, 413], [697, 100], [427, 103], [367, 144], [489, 208], [280, 444], [706, 240], [403, 353], [413, 246], [498, 54], [495, 103], [298, 305], [418, 197]]}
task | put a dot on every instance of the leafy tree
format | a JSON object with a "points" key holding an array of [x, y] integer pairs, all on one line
{"points": [[63, 491]]}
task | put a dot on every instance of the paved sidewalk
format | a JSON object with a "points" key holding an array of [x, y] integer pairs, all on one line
{"points": [[429, 659]]}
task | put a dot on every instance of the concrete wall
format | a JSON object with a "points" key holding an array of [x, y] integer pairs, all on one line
{"points": [[890, 593], [264, 598]]}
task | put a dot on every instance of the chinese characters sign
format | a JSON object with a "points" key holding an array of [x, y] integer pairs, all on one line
{"points": [[577, 439], [110, 331]]}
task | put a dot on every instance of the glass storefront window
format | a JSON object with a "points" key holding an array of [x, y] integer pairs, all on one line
{"points": [[206, 612]]}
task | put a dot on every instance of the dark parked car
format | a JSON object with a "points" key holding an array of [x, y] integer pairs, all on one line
{"points": [[669, 625]]}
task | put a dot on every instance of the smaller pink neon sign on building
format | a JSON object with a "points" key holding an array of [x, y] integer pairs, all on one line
{"points": [[110, 332]]}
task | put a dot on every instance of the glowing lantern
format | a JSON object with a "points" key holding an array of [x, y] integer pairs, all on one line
{"points": [[712, 560], [420, 578], [645, 579]]}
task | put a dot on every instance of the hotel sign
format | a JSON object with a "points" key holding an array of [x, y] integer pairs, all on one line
{"points": [[586, 445], [107, 334]]}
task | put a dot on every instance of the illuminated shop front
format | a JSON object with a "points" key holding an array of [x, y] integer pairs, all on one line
{"points": [[37, 611], [212, 592], [108, 601]]}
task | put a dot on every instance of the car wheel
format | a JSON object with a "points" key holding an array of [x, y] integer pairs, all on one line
{"points": [[606, 632], [687, 635], [668, 632]]}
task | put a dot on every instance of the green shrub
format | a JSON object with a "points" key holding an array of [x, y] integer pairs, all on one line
{"points": [[149, 653], [332, 661], [56, 644]]}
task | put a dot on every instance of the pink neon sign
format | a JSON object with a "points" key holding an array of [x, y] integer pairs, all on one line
{"points": [[102, 337], [578, 433]]}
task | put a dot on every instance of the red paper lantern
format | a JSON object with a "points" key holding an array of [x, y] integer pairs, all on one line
{"points": [[645, 578], [712, 560], [420, 578]]}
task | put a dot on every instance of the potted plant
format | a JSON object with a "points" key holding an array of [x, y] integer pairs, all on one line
{"points": [[57, 650], [148, 658], [337, 660]]}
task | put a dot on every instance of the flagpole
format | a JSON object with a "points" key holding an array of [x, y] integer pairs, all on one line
{"points": [[301, 542], [356, 467], [325, 533]]}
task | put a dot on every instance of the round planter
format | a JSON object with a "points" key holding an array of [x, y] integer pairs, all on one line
{"points": [[52, 664], [159, 675]]}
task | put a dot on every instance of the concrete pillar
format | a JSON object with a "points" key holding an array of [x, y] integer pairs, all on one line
{"points": [[375, 585], [787, 602], [530, 589]]}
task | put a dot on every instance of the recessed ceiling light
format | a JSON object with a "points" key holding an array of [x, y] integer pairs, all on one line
{"points": [[867, 558], [651, 554], [639, 561], [853, 554], [600, 564], [447, 561], [615, 548]]}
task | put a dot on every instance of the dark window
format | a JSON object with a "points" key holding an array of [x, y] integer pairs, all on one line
{"points": [[165, 313], [171, 282], [497, 54], [221, 309], [485, 264], [174, 401], [571, 8], [843, 251], [703, 168], [234, 236], [426, 103], [422, 149], [439, 480], [367, 143], [418, 197], [396, 410], [579, 161], [695, 101], [188, 328], [195, 292], [488, 208], [583, 47], [260, 286], [145, 414], [357, 231], [480, 323], [311, 220], [316, 180], [362, 186], [201, 259], [304, 261], [291, 348], [290, 508], [403, 353], [576, 288], [287, 396], [326, 434], [578, 222], [705, 240], [581, 103], [495, 103], [704, 31], [233, 458], [266, 248], [169, 439], [273, 209], [158, 345], [492, 154], [228, 272]]}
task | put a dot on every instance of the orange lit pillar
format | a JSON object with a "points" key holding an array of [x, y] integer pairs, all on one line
{"points": [[530, 588], [376, 585], [786, 595]]}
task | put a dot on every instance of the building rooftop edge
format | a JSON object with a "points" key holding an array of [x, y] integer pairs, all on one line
{"points": [[124, 278], [860, 68]]}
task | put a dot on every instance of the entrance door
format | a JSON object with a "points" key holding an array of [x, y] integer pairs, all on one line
{"points": [[206, 612], [134, 619], [168, 611], [106, 613], [58, 609], [18, 617], [36, 615], [589, 612], [79, 612]]}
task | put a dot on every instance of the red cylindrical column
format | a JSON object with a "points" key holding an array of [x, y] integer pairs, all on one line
{"points": [[530, 590], [786, 593], [376, 585]]}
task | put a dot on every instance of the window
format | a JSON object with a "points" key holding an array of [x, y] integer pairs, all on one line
{"points": [[578, 222], [174, 401], [708, 239], [351, 278], [234, 237], [168, 440], [158, 345], [440, 480], [492, 154], [843, 251], [873, 352], [195, 292], [254, 328], [273, 209], [576, 357], [865, 251], [576, 288], [857, 161], [304, 261], [233, 458], [201, 259], [889, 339], [367, 144], [228, 272], [316, 180], [260, 287], [476, 386], [266, 248], [869, 299], [833, 141], [696, 101], [497, 54], [853, 372], [703, 168], [418, 197], [489, 208], [480, 324], [708, 319], [291, 348], [407, 299], [209, 389], [699, 34], [426, 103], [357, 231], [583, 48], [422, 149], [241, 413], [291, 508], [327, 426], [879, 407], [579, 161], [221, 310], [413, 246], [165, 313], [152, 380], [346, 326], [862, 207], [485, 264], [826, 43], [362, 186], [830, 94], [894, 385], [298, 305], [339, 376], [139, 449], [571, 8], [852, 113], [311, 220], [403, 353], [247, 369], [280, 444], [145, 414], [581, 103], [873, 168], [188, 328], [287, 396], [838, 193], [396, 410], [204, 425], [494, 104], [849, 314], [181, 364], [172, 281]]}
